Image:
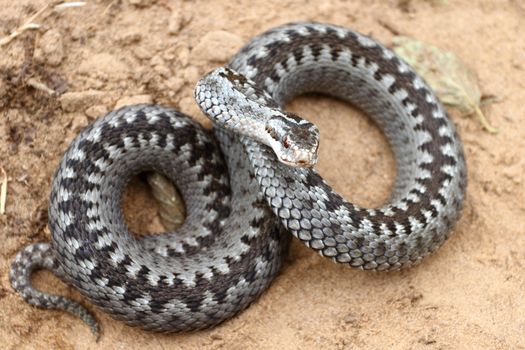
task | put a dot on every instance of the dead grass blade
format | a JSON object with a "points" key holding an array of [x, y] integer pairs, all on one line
{"points": [[29, 23], [3, 191]]}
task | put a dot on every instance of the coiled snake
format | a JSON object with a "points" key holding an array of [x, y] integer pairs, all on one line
{"points": [[241, 202]]}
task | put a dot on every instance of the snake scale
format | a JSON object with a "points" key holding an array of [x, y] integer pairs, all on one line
{"points": [[243, 201]]}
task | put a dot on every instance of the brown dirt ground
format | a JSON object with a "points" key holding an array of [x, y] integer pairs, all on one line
{"points": [[470, 294]]}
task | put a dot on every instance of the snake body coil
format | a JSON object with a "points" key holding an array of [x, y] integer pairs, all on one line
{"points": [[232, 245]]}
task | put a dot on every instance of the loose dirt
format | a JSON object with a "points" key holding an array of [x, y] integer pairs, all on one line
{"points": [[469, 294]]}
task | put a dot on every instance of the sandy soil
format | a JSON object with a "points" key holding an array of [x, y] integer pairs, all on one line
{"points": [[470, 294]]}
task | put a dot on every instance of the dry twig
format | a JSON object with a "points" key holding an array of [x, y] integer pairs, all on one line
{"points": [[3, 191], [41, 86], [29, 23]]}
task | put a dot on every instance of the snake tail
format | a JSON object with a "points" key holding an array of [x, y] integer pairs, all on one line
{"points": [[39, 256]]}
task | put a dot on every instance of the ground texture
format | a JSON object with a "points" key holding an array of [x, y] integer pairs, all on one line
{"points": [[470, 294]]}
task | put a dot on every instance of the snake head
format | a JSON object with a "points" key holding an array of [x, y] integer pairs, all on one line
{"points": [[294, 140], [237, 103]]}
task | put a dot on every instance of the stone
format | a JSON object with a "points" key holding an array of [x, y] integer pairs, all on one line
{"points": [[50, 48], [142, 3], [133, 100], [79, 122], [184, 56], [175, 22], [217, 46], [174, 84], [191, 75], [129, 37], [81, 100], [96, 111]]}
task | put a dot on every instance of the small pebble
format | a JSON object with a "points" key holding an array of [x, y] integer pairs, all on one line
{"points": [[132, 100], [96, 111], [141, 3], [351, 319], [129, 38], [142, 53], [174, 84], [81, 100], [191, 75], [175, 22], [217, 46], [184, 56], [50, 48], [79, 122]]}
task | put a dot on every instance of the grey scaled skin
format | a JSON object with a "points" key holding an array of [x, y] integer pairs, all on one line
{"points": [[241, 202]]}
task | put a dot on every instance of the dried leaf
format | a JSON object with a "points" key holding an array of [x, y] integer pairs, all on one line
{"points": [[171, 205], [3, 191], [454, 83]]}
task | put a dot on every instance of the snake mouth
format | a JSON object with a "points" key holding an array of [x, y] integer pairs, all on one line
{"points": [[306, 162]]}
